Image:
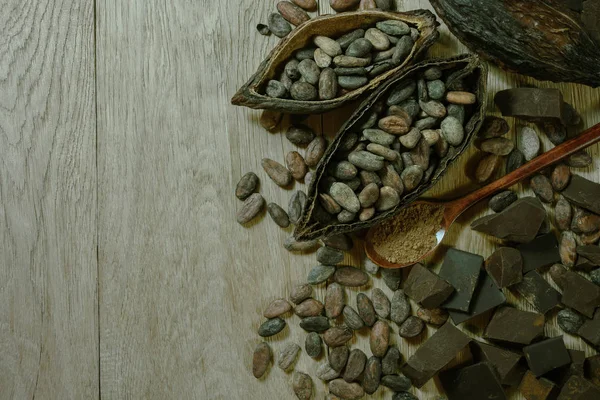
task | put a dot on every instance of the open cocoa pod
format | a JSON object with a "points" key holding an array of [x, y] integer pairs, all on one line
{"points": [[253, 93], [553, 40], [396, 146]]}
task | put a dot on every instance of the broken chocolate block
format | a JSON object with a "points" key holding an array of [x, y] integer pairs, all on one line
{"points": [[561, 375], [533, 388], [540, 253], [520, 222], [538, 292], [515, 326], [590, 331], [461, 270], [583, 264], [592, 369], [590, 253], [583, 193], [578, 388], [578, 293], [505, 266], [487, 296], [435, 353], [425, 287], [532, 104], [505, 363], [473, 382], [543, 357]]}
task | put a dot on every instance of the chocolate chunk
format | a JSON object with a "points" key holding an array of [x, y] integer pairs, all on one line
{"points": [[487, 296], [538, 292], [520, 222], [576, 367], [461, 270], [577, 388], [583, 193], [473, 382], [504, 362], [591, 253], [543, 357], [533, 388], [515, 326], [590, 331], [531, 103], [435, 353], [578, 293], [425, 287], [592, 369], [541, 252], [505, 266]]}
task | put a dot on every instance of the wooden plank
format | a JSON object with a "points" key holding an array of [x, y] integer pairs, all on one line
{"points": [[183, 285], [48, 268]]}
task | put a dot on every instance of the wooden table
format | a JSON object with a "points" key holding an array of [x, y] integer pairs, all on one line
{"points": [[123, 273]]}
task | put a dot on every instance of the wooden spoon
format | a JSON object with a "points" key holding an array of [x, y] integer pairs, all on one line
{"points": [[453, 209]]}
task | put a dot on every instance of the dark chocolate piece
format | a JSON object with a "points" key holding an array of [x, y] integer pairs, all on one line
{"points": [[538, 292], [561, 375], [461, 270], [515, 326], [473, 382], [591, 253], [533, 388], [592, 369], [487, 296], [583, 264], [505, 266], [506, 363], [543, 357], [531, 103], [540, 253], [583, 193], [578, 293], [578, 388], [590, 331], [425, 287], [435, 353], [520, 222]]}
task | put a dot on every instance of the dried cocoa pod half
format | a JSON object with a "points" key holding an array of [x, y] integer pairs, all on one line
{"points": [[465, 68], [544, 39], [251, 93]]}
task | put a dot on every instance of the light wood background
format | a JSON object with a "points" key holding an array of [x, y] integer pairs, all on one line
{"points": [[123, 272]]}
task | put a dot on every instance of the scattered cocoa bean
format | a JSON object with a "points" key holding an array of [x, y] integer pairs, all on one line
{"points": [[270, 119], [337, 335], [251, 207], [366, 309], [338, 357], [292, 13], [271, 327], [287, 356], [296, 165], [278, 215], [300, 293], [381, 303], [261, 360], [277, 308], [352, 319], [334, 300], [561, 175], [380, 338], [315, 151], [246, 186], [568, 249], [350, 276], [412, 327], [309, 308], [435, 317], [542, 187], [313, 345], [355, 366], [486, 168], [302, 384]]}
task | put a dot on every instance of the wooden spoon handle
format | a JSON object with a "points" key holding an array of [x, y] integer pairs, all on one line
{"points": [[553, 156]]}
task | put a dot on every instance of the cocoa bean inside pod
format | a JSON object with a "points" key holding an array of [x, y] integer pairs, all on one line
{"points": [[389, 174], [334, 37]]}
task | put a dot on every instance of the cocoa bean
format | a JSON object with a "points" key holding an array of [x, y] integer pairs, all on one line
{"points": [[292, 13], [302, 383], [287, 356], [499, 146], [299, 135], [542, 187], [411, 328], [561, 175], [246, 186], [251, 207], [568, 249], [309, 308], [296, 165], [270, 119], [343, 5], [381, 303], [334, 300], [315, 151], [350, 276], [261, 360], [365, 309], [300, 293], [337, 336], [380, 338], [355, 366], [352, 319], [338, 357], [486, 168]]}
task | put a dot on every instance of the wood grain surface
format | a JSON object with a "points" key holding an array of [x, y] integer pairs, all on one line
{"points": [[48, 264], [124, 273]]}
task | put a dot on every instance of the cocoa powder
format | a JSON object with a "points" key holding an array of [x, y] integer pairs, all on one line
{"points": [[410, 234]]}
